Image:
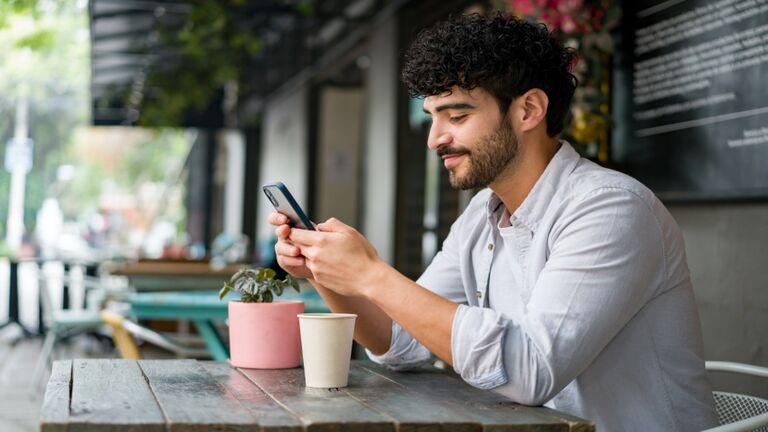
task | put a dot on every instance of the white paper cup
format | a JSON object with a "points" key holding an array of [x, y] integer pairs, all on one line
{"points": [[326, 345]]}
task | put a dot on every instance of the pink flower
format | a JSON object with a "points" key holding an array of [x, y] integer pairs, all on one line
{"points": [[522, 7], [568, 25]]}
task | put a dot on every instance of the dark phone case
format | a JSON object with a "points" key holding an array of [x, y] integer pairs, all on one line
{"points": [[287, 205]]}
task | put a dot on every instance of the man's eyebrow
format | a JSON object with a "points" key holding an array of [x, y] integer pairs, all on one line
{"points": [[457, 106]]}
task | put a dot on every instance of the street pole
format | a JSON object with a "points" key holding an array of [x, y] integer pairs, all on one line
{"points": [[18, 178]]}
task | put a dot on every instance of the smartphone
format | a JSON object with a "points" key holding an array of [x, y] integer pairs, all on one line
{"points": [[284, 203]]}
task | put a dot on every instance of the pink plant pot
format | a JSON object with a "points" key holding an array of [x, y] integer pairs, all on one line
{"points": [[265, 335]]}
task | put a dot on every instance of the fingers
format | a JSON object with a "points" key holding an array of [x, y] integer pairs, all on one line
{"points": [[302, 237], [332, 225], [288, 262], [287, 249], [277, 219], [282, 232]]}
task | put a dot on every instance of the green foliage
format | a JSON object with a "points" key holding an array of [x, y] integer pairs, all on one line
{"points": [[43, 58], [5, 251], [40, 40], [31, 8], [257, 285], [16, 7], [83, 191], [305, 8], [216, 45], [154, 158]]}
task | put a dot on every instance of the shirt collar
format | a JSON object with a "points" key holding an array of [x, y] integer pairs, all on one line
{"points": [[532, 210]]}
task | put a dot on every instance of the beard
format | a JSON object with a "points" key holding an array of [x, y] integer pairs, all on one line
{"points": [[487, 160]]}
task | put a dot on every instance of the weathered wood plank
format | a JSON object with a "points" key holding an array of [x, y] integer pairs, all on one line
{"points": [[412, 411], [494, 411], [269, 415], [575, 424], [54, 415], [112, 395], [319, 409], [192, 400]]}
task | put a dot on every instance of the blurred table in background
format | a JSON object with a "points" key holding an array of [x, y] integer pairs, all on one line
{"points": [[204, 307], [156, 275]]}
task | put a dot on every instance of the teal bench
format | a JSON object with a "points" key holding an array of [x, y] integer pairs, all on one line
{"points": [[204, 307]]}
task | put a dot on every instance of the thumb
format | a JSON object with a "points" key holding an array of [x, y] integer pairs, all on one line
{"points": [[331, 225]]}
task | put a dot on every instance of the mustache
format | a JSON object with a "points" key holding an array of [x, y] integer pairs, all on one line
{"points": [[446, 151]]}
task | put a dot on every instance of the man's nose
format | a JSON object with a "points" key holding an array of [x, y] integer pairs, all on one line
{"points": [[438, 137]]}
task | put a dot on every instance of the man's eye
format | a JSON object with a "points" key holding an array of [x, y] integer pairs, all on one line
{"points": [[457, 118]]}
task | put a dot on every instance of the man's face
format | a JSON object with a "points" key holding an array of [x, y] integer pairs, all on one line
{"points": [[477, 144]]}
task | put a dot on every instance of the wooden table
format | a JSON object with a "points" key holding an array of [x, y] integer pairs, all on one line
{"points": [[187, 395]]}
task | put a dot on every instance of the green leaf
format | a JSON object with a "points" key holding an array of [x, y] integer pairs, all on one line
{"points": [[38, 41], [267, 297], [293, 283], [258, 285], [224, 290], [268, 273]]}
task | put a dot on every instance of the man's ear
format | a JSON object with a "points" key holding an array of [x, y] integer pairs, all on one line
{"points": [[533, 106]]}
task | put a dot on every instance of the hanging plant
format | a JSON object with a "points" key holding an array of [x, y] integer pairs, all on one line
{"points": [[212, 52]]}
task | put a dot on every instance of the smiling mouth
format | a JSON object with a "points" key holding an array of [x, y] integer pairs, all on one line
{"points": [[451, 160]]}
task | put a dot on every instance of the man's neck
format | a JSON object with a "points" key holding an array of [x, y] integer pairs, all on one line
{"points": [[515, 185]]}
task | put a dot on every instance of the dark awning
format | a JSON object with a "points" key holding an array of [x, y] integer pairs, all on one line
{"points": [[136, 57]]}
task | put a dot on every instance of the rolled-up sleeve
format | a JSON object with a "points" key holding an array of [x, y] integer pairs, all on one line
{"points": [[404, 352], [477, 338]]}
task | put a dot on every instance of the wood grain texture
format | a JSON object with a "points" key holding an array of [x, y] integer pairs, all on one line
{"points": [[54, 415], [186, 395], [319, 409], [112, 395], [575, 424], [192, 400], [410, 410], [270, 416], [494, 411]]}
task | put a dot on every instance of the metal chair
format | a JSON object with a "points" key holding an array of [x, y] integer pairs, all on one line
{"points": [[124, 332], [61, 323], [738, 412]]}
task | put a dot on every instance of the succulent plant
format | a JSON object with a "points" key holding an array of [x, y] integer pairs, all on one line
{"points": [[257, 285]]}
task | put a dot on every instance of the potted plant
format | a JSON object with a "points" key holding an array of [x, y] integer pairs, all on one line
{"points": [[263, 334]]}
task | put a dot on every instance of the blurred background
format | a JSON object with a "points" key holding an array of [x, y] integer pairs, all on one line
{"points": [[138, 132]]}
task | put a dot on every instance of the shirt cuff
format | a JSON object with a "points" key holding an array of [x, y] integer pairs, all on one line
{"points": [[404, 352], [476, 346]]}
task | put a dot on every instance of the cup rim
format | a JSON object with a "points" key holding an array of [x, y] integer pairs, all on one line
{"points": [[274, 301], [326, 315]]}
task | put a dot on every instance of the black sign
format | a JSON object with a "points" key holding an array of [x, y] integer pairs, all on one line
{"points": [[691, 97]]}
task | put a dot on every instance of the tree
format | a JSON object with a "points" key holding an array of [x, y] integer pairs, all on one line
{"points": [[43, 57]]}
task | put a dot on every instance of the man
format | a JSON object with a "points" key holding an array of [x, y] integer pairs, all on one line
{"points": [[562, 283]]}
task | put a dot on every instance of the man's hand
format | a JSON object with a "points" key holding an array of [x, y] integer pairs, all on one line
{"points": [[339, 257], [288, 256]]}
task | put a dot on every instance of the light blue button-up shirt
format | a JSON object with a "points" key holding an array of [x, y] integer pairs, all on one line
{"points": [[580, 300]]}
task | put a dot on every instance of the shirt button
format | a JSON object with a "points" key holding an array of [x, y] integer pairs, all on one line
{"points": [[490, 246]]}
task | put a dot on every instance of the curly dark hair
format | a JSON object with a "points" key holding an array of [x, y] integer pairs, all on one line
{"points": [[503, 55]]}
